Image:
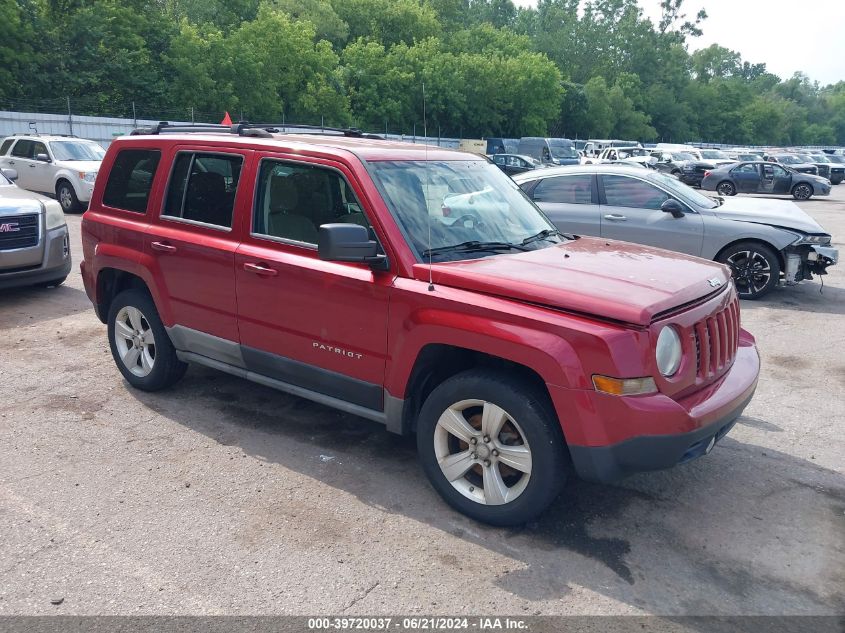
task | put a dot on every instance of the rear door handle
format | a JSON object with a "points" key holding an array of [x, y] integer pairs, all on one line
{"points": [[615, 217], [163, 247], [260, 269]]}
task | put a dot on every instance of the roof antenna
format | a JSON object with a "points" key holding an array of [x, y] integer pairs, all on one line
{"points": [[427, 214]]}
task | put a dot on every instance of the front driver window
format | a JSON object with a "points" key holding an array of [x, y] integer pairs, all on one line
{"points": [[293, 200], [622, 191]]}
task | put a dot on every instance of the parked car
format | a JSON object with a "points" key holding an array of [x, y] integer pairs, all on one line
{"points": [[763, 241], [611, 154], [742, 154], [34, 244], [502, 146], [705, 160], [828, 168], [794, 163], [62, 165], [764, 177], [512, 351], [549, 151], [514, 163], [671, 163]]}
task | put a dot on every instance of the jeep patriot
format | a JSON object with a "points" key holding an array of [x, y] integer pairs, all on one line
{"points": [[418, 287]]}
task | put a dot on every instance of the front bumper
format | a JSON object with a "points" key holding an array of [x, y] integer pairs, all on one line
{"points": [[670, 432], [55, 265]]}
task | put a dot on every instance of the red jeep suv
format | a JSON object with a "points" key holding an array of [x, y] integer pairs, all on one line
{"points": [[418, 287]]}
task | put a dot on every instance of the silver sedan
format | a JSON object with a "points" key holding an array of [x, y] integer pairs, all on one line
{"points": [[765, 242]]}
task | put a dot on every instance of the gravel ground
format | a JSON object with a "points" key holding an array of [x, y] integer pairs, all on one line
{"points": [[224, 497]]}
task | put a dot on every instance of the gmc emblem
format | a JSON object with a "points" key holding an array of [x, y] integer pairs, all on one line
{"points": [[9, 227]]}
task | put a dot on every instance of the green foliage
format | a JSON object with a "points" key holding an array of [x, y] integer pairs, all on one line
{"points": [[580, 68]]}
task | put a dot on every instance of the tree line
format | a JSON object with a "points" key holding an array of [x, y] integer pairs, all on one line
{"points": [[594, 69]]}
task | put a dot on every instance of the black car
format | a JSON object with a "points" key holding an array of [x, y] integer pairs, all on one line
{"points": [[828, 168], [764, 177], [794, 162], [671, 163], [514, 163], [707, 160]]}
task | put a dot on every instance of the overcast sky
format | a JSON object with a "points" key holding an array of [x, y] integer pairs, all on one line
{"points": [[787, 35]]}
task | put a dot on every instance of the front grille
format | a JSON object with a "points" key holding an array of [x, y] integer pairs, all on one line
{"points": [[716, 341], [18, 231]]}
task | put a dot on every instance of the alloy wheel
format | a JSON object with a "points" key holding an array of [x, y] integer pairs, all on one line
{"points": [[65, 198], [802, 192], [135, 341], [751, 271], [482, 452]]}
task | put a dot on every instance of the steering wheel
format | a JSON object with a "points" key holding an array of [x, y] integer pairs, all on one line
{"points": [[476, 221]]}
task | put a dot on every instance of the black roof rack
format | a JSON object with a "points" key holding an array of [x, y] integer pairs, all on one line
{"points": [[245, 128]]}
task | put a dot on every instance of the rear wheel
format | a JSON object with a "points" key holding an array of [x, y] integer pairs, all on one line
{"points": [[726, 188], [139, 343], [802, 191], [755, 268], [491, 447]]}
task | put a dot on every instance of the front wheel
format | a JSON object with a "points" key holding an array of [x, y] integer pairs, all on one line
{"points": [[726, 188], [492, 448], [755, 268], [139, 343], [67, 197], [802, 191]]}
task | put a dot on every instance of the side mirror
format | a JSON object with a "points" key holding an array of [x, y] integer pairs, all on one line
{"points": [[349, 243], [42, 158], [11, 174], [674, 207]]}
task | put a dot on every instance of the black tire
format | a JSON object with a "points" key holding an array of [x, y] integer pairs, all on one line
{"points": [[167, 369], [746, 257], [726, 188], [67, 197], [802, 191], [536, 424]]}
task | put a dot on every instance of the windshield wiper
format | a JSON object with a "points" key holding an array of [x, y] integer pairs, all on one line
{"points": [[474, 245], [542, 235]]}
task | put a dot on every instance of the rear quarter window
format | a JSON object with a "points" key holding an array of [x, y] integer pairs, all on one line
{"points": [[131, 179], [6, 145]]}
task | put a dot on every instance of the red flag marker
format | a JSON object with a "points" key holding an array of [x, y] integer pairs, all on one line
{"points": [[227, 120]]}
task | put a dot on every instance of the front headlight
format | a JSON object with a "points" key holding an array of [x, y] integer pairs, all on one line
{"points": [[821, 240], [668, 351], [54, 217], [88, 176]]}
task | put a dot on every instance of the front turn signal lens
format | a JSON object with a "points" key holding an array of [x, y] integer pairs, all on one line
{"points": [[624, 386]]}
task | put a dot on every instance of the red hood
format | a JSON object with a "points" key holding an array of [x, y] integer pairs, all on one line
{"points": [[616, 280]]}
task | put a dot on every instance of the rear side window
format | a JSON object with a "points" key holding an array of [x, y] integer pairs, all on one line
{"points": [[565, 190], [202, 188], [6, 145], [22, 149], [130, 179]]}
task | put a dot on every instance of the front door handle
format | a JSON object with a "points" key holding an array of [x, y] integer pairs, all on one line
{"points": [[163, 247], [260, 269], [615, 217]]}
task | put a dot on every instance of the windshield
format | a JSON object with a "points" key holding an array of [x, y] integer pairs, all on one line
{"points": [[712, 153], [789, 159], [818, 158], [77, 150], [682, 156], [628, 152], [676, 187], [442, 204], [562, 150]]}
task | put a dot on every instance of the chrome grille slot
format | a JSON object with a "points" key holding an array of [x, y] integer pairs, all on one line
{"points": [[716, 341], [18, 231]]}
